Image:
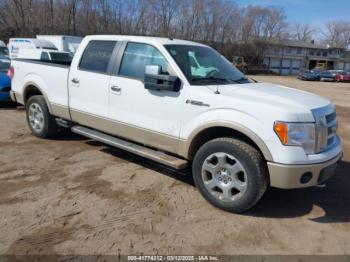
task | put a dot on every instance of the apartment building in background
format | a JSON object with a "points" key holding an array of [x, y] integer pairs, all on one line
{"points": [[289, 57]]}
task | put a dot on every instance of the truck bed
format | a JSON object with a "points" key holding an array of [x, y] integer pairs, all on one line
{"points": [[49, 77]]}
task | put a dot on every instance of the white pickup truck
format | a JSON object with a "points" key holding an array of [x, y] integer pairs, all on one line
{"points": [[147, 96]]}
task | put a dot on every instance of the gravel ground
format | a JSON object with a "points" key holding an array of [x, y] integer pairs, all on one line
{"points": [[70, 195]]}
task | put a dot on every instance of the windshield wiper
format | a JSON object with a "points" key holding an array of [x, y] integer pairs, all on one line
{"points": [[214, 79], [239, 80]]}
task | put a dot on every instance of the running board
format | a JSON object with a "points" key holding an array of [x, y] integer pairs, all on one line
{"points": [[136, 149]]}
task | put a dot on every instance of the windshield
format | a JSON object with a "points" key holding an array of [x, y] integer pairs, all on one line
{"points": [[61, 57], [204, 66]]}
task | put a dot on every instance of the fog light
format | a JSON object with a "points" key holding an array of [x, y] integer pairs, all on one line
{"points": [[305, 178]]}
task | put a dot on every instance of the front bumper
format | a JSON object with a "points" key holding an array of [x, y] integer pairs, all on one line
{"points": [[298, 176]]}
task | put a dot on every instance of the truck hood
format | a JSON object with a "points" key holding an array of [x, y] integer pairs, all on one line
{"points": [[274, 95]]}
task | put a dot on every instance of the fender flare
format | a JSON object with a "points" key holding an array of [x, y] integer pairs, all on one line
{"points": [[32, 84], [231, 125]]}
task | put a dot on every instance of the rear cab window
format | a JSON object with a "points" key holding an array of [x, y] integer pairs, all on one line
{"points": [[97, 56], [44, 56], [61, 57]]}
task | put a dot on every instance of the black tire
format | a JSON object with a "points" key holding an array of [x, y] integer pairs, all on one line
{"points": [[49, 126], [245, 70], [249, 158]]}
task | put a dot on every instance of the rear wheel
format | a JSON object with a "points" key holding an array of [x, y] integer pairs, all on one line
{"points": [[230, 174], [40, 121]]}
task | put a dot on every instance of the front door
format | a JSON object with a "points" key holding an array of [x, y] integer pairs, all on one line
{"points": [[147, 116]]}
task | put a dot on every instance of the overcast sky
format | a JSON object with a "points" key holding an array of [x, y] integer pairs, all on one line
{"points": [[314, 12]]}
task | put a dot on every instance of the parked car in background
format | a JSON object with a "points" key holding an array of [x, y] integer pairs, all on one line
{"points": [[15, 44], [63, 43], [342, 76], [45, 55], [328, 76], [4, 58], [309, 75], [5, 87]]}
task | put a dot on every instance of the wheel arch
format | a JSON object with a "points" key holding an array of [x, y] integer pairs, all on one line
{"points": [[215, 130], [32, 89]]}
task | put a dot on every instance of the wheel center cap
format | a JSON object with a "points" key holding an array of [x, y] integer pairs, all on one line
{"points": [[224, 177]]}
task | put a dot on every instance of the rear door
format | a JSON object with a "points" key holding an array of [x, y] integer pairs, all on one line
{"points": [[89, 83]]}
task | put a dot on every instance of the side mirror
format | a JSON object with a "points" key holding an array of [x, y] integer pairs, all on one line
{"points": [[154, 80]]}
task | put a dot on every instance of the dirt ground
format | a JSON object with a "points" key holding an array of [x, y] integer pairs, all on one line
{"points": [[70, 195]]}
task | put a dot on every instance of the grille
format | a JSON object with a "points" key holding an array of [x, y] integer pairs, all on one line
{"points": [[332, 126], [327, 125]]}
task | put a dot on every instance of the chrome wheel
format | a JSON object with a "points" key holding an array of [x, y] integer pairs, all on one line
{"points": [[36, 117], [224, 177]]}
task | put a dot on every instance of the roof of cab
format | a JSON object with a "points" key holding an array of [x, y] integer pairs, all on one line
{"points": [[143, 39]]}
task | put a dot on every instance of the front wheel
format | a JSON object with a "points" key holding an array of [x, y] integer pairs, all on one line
{"points": [[230, 174], [40, 121]]}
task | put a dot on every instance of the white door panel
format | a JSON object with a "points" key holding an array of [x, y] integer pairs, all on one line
{"points": [[90, 95], [132, 104], [157, 111]]}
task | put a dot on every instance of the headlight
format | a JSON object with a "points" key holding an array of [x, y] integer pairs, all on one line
{"points": [[297, 134]]}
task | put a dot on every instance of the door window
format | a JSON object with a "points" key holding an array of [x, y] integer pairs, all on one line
{"points": [[137, 56], [97, 55]]}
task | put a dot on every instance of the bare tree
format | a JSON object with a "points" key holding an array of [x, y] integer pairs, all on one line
{"points": [[164, 12], [302, 32], [337, 33], [231, 29]]}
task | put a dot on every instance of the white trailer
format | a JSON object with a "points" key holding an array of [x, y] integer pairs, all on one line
{"points": [[62, 42], [15, 44]]}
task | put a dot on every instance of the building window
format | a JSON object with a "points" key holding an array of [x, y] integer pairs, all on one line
{"points": [[324, 53], [299, 51], [312, 52], [318, 53], [289, 50]]}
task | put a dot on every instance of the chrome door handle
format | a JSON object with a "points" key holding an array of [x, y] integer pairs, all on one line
{"points": [[116, 89], [75, 81]]}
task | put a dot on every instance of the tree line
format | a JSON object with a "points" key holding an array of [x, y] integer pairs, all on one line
{"points": [[220, 23]]}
